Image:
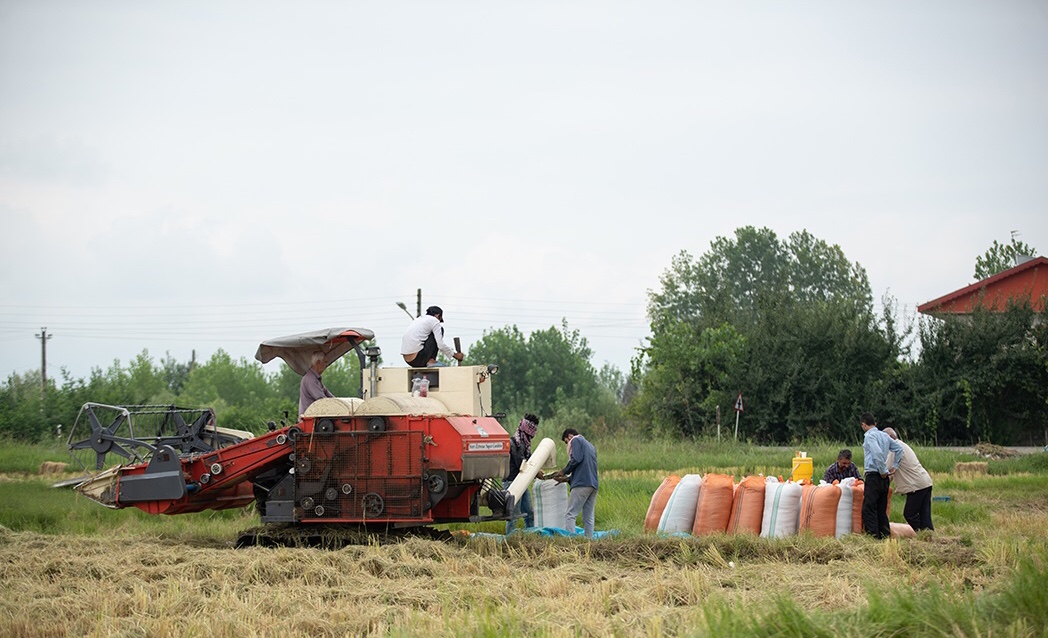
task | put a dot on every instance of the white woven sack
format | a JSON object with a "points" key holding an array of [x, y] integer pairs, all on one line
{"points": [[782, 508], [679, 515], [844, 507], [550, 502]]}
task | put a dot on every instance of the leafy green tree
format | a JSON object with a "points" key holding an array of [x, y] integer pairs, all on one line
{"points": [[21, 407], [789, 323], [983, 378], [238, 390], [548, 372], [739, 280], [688, 376], [1000, 257]]}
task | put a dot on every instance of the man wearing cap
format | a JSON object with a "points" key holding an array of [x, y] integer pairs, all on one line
{"points": [[424, 338]]}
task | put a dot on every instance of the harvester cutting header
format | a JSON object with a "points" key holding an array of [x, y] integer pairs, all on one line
{"points": [[389, 456]]}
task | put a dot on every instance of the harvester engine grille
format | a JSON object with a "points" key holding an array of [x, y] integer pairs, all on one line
{"points": [[360, 476]]}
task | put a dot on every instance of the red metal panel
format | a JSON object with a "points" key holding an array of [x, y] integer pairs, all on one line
{"points": [[360, 477]]}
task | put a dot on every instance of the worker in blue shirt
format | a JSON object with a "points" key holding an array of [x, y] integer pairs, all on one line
{"points": [[581, 472], [877, 477]]}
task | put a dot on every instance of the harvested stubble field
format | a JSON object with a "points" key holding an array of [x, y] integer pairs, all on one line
{"points": [[71, 568]]}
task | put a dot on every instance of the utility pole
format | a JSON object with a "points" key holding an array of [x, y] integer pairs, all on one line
{"points": [[43, 337], [418, 305]]}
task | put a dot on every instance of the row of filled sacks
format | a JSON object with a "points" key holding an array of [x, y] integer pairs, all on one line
{"points": [[768, 507]]}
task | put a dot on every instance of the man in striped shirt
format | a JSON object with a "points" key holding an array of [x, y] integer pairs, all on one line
{"points": [[841, 469]]}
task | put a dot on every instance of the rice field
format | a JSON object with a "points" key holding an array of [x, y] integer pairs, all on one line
{"points": [[69, 567]]}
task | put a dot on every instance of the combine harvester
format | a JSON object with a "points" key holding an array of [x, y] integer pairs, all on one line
{"points": [[388, 459]]}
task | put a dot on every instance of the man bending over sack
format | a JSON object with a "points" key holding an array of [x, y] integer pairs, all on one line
{"points": [[913, 480]]}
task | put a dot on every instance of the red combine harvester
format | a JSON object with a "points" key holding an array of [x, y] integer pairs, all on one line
{"points": [[389, 457]]}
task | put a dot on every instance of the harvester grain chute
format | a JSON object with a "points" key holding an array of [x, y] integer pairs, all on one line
{"points": [[384, 458]]}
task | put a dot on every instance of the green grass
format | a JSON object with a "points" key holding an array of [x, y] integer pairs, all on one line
{"points": [[24, 458], [982, 573]]}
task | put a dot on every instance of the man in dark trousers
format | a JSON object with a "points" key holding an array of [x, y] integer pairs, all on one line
{"points": [[877, 477], [915, 482]]}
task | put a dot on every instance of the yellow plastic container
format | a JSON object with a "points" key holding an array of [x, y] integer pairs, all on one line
{"points": [[802, 468]]}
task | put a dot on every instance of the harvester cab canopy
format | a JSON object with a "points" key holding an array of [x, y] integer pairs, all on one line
{"points": [[297, 350]]}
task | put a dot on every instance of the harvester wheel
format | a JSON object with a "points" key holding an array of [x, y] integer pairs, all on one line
{"points": [[325, 426], [437, 483], [373, 505], [294, 433]]}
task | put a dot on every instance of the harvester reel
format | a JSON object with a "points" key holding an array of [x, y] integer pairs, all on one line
{"points": [[103, 440], [192, 437]]}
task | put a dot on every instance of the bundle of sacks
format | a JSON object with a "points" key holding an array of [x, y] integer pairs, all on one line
{"points": [[769, 507]]}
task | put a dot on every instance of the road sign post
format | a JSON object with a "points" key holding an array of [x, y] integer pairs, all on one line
{"points": [[738, 410]]}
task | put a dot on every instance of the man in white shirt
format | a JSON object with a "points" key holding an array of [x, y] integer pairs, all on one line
{"points": [[913, 480], [424, 338]]}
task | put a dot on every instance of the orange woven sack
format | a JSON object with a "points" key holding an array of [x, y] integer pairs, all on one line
{"points": [[857, 494], [819, 509], [658, 502], [747, 508], [714, 506]]}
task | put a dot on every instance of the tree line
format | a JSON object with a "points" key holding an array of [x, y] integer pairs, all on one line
{"points": [[790, 323]]}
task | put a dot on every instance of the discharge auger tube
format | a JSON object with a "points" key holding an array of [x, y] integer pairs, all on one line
{"points": [[544, 455]]}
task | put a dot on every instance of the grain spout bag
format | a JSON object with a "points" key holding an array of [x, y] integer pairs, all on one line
{"points": [[658, 502], [747, 507], [819, 509], [679, 515], [782, 508], [714, 505], [550, 500]]}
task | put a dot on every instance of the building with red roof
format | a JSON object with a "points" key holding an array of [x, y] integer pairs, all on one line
{"points": [[1026, 282]]}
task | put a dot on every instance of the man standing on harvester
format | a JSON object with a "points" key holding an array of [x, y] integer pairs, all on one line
{"points": [[581, 471], [425, 338]]}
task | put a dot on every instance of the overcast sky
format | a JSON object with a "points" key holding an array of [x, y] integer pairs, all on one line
{"points": [[180, 176]]}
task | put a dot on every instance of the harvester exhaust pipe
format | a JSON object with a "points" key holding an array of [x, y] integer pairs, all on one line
{"points": [[544, 455]]}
